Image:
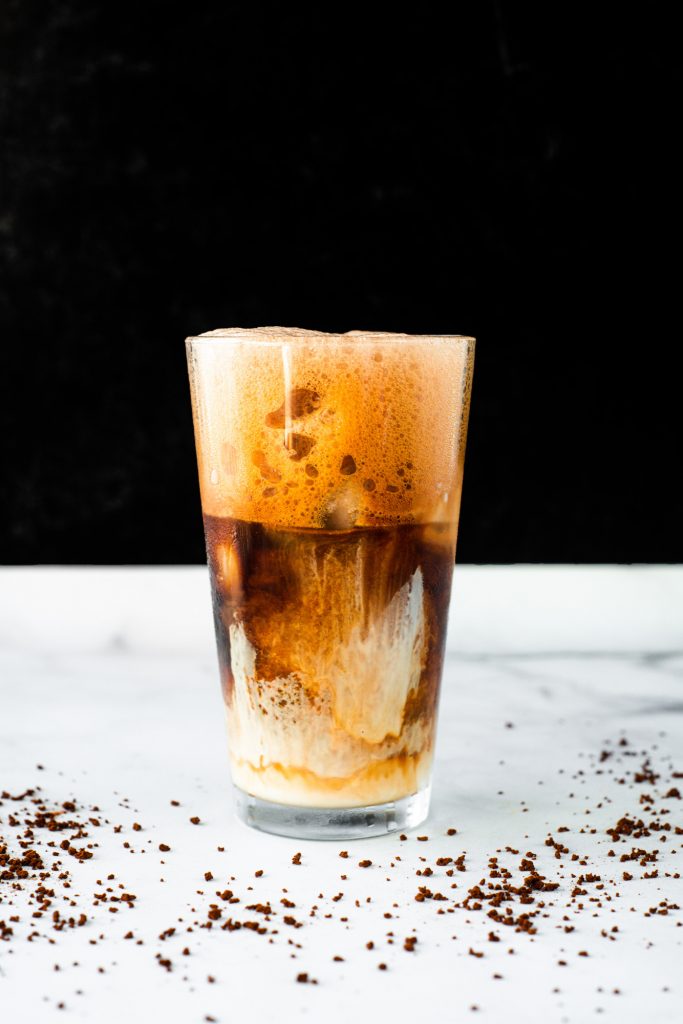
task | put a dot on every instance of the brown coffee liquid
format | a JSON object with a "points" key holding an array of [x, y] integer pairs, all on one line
{"points": [[330, 645]]}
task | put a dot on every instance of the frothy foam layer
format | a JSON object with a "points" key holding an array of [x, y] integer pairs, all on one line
{"points": [[302, 429]]}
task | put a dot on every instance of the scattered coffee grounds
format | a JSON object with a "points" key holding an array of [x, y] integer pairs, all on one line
{"points": [[571, 884]]}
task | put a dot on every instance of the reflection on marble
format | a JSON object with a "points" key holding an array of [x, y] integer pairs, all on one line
{"points": [[108, 678]]}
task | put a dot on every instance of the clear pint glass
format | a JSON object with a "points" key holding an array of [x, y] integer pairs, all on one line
{"points": [[330, 470]]}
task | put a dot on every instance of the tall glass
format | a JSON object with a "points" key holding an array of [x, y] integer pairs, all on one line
{"points": [[330, 470]]}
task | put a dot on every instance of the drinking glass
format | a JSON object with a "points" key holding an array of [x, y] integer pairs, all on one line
{"points": [[330, 470]]}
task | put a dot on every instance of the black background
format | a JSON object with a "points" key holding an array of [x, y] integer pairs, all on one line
{"points": [[511, 173]]}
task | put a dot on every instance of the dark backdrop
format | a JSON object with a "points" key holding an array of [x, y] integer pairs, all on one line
{"points": [[510, 175]]}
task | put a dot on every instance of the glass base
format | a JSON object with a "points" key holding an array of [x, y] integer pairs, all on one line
{"points": [[332, 822]]}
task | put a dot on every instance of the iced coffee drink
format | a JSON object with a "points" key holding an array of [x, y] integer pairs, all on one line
{"points": [[330, 472]]}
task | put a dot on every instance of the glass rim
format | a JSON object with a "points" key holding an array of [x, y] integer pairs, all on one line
{"points": [[301, 336]]}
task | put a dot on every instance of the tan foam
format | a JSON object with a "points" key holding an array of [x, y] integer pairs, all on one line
{"points": [[297, 428]]}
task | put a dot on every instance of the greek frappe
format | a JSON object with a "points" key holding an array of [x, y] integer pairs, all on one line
{"points": [[330, 473]]}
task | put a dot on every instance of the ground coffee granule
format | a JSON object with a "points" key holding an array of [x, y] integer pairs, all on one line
{"points": [[528, 895]]}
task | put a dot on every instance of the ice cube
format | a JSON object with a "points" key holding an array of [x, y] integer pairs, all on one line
{"points": [[299, 446], [300, 402], [267, 472]]}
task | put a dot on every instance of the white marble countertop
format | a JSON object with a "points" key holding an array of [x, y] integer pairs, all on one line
{"points": [[108, 680]]}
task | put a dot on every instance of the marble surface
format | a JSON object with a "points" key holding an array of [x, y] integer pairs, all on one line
{"points": [[108, 680]]}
